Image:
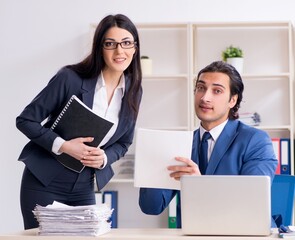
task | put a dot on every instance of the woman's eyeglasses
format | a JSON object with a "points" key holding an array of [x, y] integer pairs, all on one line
{"points": [[108, 45]]}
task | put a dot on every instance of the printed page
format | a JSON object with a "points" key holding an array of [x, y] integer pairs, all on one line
{"points": [[155, 150]]}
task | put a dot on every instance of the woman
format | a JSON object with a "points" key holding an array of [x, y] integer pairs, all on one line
{"points": [[109, 82]]}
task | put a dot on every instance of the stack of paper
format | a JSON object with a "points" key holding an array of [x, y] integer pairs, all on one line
{"points": [[61, 219], [252, 119]]}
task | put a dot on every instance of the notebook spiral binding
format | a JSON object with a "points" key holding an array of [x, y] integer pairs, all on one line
{"points": [[62, 112]]}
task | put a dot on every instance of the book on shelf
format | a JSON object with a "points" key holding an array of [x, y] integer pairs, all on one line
{"points": [[78, 120]]}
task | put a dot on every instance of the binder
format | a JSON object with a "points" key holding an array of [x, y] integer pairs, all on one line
{"points": [[276, 142], [285, 156], [77, 120], [172, 213], [111, 199]]}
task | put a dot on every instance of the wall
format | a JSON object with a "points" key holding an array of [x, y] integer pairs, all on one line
{"points": [[38, 37]]}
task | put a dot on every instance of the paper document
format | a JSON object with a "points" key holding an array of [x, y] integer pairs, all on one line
{"points": [[60, 219], [155, 150]]}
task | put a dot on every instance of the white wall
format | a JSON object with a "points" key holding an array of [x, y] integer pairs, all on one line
{"points": [[38, 37]]}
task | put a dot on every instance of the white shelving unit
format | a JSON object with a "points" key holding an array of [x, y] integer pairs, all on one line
{"points": [[178, 52], [167, 88]]}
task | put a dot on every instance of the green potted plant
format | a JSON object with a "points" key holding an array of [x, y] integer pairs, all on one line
{"points": [[234, 56], [146, 65]]}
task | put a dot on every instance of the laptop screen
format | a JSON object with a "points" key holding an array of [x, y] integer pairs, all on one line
{"points": [[225, 205]]}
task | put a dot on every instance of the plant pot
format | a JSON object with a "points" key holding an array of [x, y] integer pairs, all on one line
{"points": [[146, 66], [237, 63]]}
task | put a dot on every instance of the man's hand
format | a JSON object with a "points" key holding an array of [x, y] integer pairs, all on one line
{"points": [[188, 168]]}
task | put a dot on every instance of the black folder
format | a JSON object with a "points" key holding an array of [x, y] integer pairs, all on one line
{"points": [[78, 120]]}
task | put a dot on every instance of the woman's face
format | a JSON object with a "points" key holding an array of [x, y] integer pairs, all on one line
{"points": [[116, 57]]}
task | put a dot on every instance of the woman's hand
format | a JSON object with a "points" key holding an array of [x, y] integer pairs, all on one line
{"points": [[94, 159], [89, 156], [188, 168]]}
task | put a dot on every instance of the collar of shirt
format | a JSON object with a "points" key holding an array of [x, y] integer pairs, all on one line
{"points": [[101, 83], [215, 132]]}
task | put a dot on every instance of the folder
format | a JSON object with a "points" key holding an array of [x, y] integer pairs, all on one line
{"points": [[172, 213], [111, 199], [77, 120], [285, 156], [276, 142]]}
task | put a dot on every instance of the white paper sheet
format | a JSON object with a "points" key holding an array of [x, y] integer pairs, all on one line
{"points": [[61, 219], [155, 150]]}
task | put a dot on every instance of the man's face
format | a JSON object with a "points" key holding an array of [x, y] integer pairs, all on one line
{"points": [[212, 99]]}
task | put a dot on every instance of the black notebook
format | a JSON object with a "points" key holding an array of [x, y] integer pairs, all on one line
{"points": [[78, 120]]}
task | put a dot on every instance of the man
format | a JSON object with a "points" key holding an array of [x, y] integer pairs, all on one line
{"points": [[233, 147]]}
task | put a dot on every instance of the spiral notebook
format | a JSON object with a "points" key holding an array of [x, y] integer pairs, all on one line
{"points": [[78, 120]]}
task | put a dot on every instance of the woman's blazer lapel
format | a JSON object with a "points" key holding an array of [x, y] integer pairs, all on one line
{"points": [[88, 86]]}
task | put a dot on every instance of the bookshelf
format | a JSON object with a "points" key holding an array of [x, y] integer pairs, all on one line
{"points": [[178, 52], [168, 87]]}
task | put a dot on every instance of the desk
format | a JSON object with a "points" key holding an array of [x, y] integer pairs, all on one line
{"points": [[129, 233]]}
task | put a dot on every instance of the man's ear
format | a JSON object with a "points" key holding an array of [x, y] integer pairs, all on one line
{"points": [[233, 100]]}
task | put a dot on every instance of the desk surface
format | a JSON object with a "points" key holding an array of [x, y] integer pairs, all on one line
{"points": [[129, 233]]}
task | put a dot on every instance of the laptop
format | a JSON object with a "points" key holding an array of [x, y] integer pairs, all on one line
{"points": [[226, 205]]}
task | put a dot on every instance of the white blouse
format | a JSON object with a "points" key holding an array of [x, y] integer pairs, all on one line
{"points": [[101, 107]]}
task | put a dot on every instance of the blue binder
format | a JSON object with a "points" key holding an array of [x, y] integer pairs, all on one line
{"points": [[285, 156], [111, 198]]}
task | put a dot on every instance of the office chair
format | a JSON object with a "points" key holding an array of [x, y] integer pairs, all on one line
{"points": [[282, 199]]}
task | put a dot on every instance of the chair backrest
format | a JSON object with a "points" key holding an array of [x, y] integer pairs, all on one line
{"points": [[282, 197]]}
